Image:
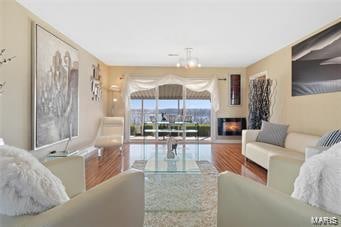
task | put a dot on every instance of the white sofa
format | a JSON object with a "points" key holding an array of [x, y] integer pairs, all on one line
{"points": [[260, 153], [246, 203], [118, 201]]}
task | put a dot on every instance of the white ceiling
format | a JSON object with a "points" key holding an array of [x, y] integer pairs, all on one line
{"points": [[222, 33]]}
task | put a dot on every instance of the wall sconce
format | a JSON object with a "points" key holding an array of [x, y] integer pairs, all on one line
{"points": [[114, 88]]}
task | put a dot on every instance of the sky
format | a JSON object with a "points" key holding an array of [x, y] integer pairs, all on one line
{"points": [[190, 104]]}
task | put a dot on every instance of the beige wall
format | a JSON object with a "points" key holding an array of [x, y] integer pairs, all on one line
{"points": [[16, 102], [314, 114], [225, 109], [1, 46]]}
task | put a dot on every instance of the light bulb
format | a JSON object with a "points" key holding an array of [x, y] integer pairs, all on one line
{"points": [[114, 100], [178, 65]]}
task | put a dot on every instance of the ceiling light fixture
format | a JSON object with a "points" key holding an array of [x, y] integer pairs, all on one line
{"points": [[188, 62]]}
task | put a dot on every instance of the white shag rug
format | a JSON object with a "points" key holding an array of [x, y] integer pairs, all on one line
{"points": [[181, 199]]}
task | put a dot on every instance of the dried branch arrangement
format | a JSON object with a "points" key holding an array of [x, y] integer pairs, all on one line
{"points": [[3, 59]]}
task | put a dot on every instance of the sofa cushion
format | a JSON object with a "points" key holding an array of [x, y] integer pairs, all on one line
{"points": [[299, 141], [261, 152], [273, 133]]}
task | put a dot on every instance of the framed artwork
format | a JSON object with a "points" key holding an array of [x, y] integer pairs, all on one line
{"points": [[96, 85], [316, 63], [55, 89], [235, 89]]}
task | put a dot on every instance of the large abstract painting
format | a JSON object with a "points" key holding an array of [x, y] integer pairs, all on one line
{"points": [[316, 63], [55, 89]]}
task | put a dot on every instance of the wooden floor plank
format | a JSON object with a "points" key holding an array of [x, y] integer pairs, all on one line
{"points": [[225, 157]]}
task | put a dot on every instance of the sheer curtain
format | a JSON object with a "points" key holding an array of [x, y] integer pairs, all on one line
{"points": [[139, 83]]}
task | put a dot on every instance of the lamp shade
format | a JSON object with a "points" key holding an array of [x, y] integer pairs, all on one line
{"points": [[115, 87]]}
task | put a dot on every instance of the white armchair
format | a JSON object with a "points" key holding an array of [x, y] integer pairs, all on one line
{"points": [[110, 132], [116, 202], [245, 203]]}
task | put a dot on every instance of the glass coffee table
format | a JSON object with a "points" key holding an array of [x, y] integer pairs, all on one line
{"points": [[177, 165], [172, 184]]}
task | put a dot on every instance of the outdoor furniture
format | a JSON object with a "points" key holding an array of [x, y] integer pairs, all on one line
{"points": [[168, 128]]}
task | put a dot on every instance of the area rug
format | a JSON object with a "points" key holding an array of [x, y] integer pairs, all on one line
{"points": [[181, 199]]}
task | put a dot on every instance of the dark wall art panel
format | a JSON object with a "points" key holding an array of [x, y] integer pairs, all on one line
{"points": [[316, 63]]}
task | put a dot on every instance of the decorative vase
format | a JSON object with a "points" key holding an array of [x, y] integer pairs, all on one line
{"points": [[171, 145]]}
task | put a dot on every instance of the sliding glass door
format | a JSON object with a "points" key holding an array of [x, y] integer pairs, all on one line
{"points": [[142, 111], [198, 107], [170, 110]]}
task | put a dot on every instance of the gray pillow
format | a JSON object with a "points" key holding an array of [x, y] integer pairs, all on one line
{"points": [[273, 133]]}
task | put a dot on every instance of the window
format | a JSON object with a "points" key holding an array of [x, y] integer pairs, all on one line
{"points": [[168, 103]]}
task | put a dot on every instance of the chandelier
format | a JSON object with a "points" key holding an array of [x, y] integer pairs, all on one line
{"points": [[188, 62]]}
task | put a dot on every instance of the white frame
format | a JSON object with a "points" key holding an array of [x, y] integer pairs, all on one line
{"points": [[34, 26]]}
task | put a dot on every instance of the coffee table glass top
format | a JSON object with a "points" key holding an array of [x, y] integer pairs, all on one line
{"points": [[171, 185], [184, 162], [171, 166]]}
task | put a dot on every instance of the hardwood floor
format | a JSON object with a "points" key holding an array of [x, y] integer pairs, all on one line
{"points": [[225, 157]]}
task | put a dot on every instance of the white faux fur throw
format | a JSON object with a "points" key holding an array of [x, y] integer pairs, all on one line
{"points": [[26, 185], [319, 180]]}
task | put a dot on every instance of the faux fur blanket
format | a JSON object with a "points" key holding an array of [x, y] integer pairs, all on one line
{"points": [[319, 180], [26, 185]]}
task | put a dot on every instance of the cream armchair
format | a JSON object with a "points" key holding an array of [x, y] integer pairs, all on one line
{"points": [[245, 203], [116, 202], [110, 132]]}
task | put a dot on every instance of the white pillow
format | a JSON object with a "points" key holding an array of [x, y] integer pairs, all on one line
{"points": [[26, 185], [318, 182]]}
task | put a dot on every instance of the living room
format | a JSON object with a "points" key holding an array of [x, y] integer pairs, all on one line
{"points": [[117, 113]]}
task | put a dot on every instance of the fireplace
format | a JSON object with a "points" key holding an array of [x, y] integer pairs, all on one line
{"points": [[231, 126]]}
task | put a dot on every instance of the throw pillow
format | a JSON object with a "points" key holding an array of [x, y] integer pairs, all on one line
{"points": [[273, 133], [330, 138], [26, 185], [318, 182]]}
